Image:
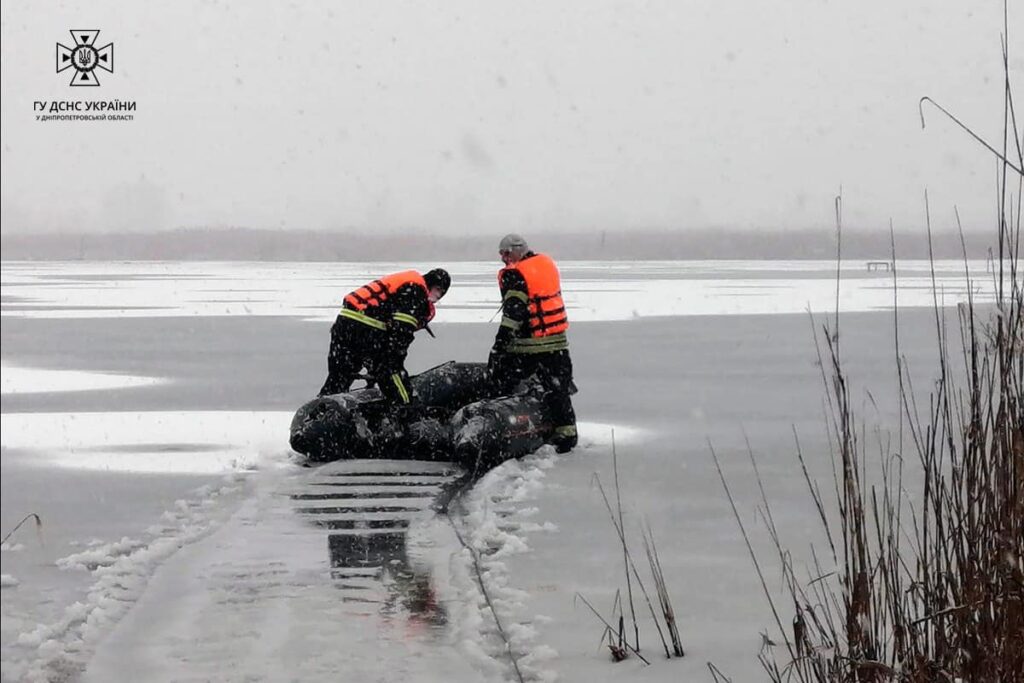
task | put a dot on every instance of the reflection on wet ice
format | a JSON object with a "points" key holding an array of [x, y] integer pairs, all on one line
{"points": [[368, 514]]}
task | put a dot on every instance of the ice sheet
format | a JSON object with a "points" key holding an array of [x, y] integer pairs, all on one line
{"points": [[539, 524]]}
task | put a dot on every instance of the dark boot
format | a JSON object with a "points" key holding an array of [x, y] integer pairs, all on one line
{"points": [[565, 438]]}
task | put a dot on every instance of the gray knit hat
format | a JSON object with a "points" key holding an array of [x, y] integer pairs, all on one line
{"points": [[513, 244]]}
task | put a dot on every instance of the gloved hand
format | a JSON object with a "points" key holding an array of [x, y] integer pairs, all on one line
{"points": [[494, 361], [405, 413]]}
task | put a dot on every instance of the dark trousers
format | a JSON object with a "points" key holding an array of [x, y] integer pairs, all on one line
{"points": [[554, 371], [355, 346]]}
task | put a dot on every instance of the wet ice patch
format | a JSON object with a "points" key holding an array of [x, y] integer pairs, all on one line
{"points": [[15, 379], [185, 442], [272, 596]]}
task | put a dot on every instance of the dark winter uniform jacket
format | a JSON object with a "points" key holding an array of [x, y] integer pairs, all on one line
{"points": [[531, 340], [374, 329]]}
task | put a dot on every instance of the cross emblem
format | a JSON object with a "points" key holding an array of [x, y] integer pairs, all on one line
{"points": [[84, 57]]}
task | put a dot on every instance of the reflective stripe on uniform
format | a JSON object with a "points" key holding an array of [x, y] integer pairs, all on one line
{"points": [[516, 294], [566, 430], [509, 322], [397, 379], [406, 318], [554, 342], [363, 318]]}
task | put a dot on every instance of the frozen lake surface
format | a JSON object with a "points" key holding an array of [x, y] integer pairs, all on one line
{"points": [[145, 409], [594, 290]]}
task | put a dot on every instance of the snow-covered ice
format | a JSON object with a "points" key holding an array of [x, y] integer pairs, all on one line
{"points": [[19, 380], [186, 442], [594, 291]]}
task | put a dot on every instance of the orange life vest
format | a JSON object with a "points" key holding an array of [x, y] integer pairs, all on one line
{"points": [[377, 292], [544, 295]]}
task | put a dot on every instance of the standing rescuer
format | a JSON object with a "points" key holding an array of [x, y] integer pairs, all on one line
{"points": [[375, 328], [531, 338]]}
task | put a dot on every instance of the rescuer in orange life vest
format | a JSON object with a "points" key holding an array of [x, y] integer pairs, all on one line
{"points": [[375, 328], [531, 339]]}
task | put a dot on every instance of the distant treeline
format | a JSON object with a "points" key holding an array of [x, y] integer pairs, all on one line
{"points": [[243, 244]]}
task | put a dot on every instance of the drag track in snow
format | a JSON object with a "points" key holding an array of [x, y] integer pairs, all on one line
{"points": [[348, 569]]}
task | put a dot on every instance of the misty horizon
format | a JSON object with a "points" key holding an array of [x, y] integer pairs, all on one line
{"points": [[240, 244]]}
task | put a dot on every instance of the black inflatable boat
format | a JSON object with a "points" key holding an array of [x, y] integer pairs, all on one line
{"points": [[453, 419]]}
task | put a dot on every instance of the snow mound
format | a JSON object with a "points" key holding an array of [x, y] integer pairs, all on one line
{"points": [[493, 522]]}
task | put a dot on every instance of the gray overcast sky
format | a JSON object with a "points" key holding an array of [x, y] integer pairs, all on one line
{"points": [[461, 117]]}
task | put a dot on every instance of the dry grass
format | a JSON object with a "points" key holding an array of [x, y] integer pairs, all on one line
{"points": [[923, 579], [617, 638], [929, 586], [31, 515]]}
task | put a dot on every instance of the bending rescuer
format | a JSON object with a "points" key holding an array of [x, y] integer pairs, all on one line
{"points": [[375, 327], [531, 339]]}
